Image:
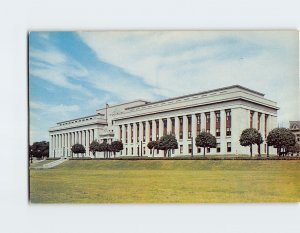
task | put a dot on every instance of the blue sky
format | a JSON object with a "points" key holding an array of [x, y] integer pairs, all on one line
{"points": [[71, 74]]}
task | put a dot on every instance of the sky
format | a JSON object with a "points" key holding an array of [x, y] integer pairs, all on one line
{"points": [[71, 74]]}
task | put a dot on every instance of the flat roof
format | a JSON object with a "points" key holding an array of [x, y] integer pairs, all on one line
{"points": [[201, 93], [80, 118]]}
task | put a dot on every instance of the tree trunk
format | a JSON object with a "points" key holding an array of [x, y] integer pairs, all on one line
{"points": [[258, 148], [251, 150], [204, 151]]}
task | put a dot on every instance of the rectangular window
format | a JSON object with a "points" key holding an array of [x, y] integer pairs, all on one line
{"points": [[144, 131], [173, 126], [198, 119], [165, 126], [126, 151], [157, 129], [207, 116], [258, 121], [126, 134], [218, 133], [144, 150], [150, 130], [181, 149], [228, 146], [251, 119], [131, 151], [189, 120], [180, 128], [190, 148], [208, 150], [228, 122], [138, 150], [137, 132], [198, 149], [131, 131], [218, 148]]}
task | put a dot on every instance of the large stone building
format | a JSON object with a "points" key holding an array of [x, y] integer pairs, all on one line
{"points": [[223, 112]]}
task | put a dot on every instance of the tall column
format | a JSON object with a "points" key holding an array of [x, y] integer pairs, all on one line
{"points": [[123, 134], [203, 122], [169, 125], [194, 133], [213, 129], [147, 138], [161, 128], [223, 143], [134, 144], [255, 120], [50, 145], [185, 135]]}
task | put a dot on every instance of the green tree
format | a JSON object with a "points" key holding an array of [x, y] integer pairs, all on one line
{"points": [[152, 146], [94, 147], [167, 143], [39, 150], [281, 138], [78, 149], [116, 146], [205, 140], [104, 147], [249, 137]]}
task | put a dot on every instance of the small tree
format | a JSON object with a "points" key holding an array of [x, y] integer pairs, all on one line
{"points": [[39, 150], [104, 147], [281, 138], [152, 146], [78, 148], [94, 147], [167, 143], [116, 146], [249, 137], [205, 139]]}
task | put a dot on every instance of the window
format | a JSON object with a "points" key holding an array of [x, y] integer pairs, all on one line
{"points": [[189, 118], [258, 121], [126, 135], [228, 122], [150, 130], [207, 116], [251, 119], [157, 129], [228, 146], [180, 128], [157, 151], [181, 149], [208, 150], [218, 148], [190, 148], [137, 132], [144, 150], [173, 126], [126, 151], [138, 150], [198, 149], [131, 133], [198, 119], [218, 133], [144, 131]]}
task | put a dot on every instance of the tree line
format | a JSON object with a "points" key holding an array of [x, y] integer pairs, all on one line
{"points": [[280, 138]]}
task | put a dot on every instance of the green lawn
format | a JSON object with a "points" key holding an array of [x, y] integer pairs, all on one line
{"points": [[189, 181]]}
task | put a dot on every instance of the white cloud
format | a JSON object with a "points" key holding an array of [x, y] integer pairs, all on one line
{"points": [[59, 109], [178, 63]]}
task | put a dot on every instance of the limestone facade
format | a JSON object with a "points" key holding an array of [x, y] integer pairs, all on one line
{"points": [[224, 112]]}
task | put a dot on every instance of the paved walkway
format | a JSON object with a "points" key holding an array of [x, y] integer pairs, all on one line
{"points": [[51, 164]]}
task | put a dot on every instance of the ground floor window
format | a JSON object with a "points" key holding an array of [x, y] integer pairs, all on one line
{"points": [[157, 151], [218, 148], [190, 148], [198, 149], [208, 150], [138, 150], [131, 151], [144, 150], [126, 151], [181, 149], [228, 146]]}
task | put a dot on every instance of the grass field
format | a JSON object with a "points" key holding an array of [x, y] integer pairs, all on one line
{"points": [[167, 182]]}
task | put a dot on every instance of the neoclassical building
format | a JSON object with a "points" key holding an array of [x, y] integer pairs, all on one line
{"points": [[224, 112]]}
